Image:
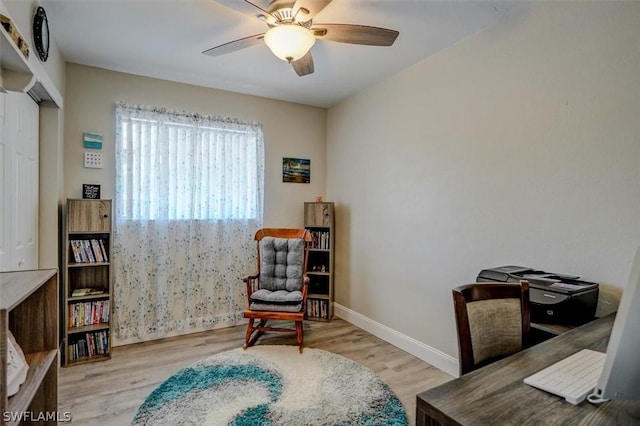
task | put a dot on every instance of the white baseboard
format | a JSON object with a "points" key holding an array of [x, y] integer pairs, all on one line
{"points": [[426, 353]]}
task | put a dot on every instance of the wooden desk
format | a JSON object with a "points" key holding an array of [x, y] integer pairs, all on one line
{"points": [[551, 329], [497, 395]]}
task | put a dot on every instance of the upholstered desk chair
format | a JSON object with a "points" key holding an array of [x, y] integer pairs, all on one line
{"points": [[493, 321], [278, 291]]}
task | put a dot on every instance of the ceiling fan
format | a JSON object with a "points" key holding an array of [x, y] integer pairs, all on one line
{"points": [[292, 33]]}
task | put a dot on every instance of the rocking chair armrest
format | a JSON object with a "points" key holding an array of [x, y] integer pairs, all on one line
{"points": [[305, 287], [251, 277], [250, 281]]}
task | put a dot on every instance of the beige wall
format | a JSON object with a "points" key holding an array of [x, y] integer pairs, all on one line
{"points": [[520, 145], [291, 130], [51, 176]]}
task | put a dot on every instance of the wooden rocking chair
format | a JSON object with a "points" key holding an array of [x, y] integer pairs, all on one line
{"points": [[278, 291]]}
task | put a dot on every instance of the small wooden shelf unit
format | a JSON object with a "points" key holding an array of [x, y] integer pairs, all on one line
{"points": [[87, 317], [29, 309], [319, 220]]}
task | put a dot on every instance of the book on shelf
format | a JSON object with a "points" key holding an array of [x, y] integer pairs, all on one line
{"points": [[104, 251], [89, 251], [79, 292], [88, 313], [74, 250], [317, 308], [97, 251], [78, 252], [89, 345], [320, 240]]}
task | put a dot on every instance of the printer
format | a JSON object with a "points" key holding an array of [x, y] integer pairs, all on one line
{"points": [[555, 298]]}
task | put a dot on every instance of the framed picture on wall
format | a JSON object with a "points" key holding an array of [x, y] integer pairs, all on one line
{"points": [[297, 170]]}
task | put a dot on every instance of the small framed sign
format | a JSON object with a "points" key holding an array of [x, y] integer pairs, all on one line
{"points": [[91, 192]]}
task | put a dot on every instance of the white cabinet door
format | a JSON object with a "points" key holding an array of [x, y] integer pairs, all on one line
{"points": [[25, 205], [20, 186]]}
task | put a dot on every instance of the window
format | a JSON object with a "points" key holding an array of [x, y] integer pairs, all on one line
{"points": [[177, 166], [188, 203]]}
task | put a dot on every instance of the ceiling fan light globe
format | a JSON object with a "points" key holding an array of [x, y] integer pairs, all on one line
{"points": [[289, 42]]}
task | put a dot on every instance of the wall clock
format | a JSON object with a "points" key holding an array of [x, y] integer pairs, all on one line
{"points": [[41, 33]]}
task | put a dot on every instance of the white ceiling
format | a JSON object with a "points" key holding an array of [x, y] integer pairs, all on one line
{"points": [[165, 39]]}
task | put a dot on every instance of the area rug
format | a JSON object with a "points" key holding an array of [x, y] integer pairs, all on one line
{"points": [[273, 385]]}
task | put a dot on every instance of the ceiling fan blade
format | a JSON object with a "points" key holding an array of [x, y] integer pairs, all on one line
{"points": [[234, 45], [265, 16], [263, 5], [307, 9], [304, 65], [355, 34], [253, 8]]}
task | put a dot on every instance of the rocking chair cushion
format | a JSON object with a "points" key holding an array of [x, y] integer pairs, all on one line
{"points": [[277, 297], [281, 261], [279, 300], [275, 307]]}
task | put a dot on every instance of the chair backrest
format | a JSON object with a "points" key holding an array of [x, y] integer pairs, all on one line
{"points": [[493, 321], [282, 258]]}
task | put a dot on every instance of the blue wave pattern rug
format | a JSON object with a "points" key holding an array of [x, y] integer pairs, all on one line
{"points": [[273, 385]]}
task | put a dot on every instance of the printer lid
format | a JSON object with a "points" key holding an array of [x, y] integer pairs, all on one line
{"points": [[553, 283], [562, 283]]}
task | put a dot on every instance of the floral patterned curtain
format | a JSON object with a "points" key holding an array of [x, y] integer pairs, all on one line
{"points": [[189, 198]]}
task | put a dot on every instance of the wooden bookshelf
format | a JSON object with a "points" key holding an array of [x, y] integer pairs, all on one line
{"points": [[87, 318], [29, 309], [319, 220]]}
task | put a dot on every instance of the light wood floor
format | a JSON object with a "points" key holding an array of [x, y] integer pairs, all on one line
{"points": [[109, 392]]}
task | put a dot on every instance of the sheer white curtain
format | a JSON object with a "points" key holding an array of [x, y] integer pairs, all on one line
{"points": [[189, 197]]}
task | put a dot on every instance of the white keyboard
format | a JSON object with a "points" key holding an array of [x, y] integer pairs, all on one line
{"points": [[572, 378]]}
